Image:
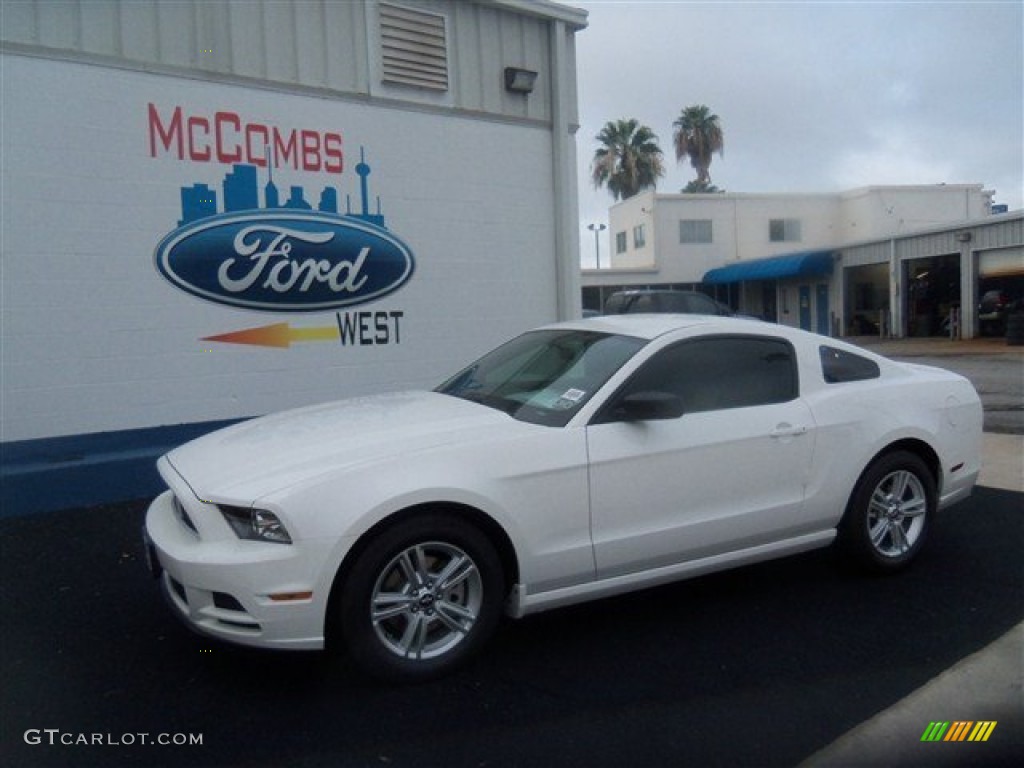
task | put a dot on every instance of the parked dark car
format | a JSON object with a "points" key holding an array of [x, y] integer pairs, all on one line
{"points": [[661, 301]]}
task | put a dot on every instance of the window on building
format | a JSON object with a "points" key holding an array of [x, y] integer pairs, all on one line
{"points": [[620, 242], [784, 230], [695, 231], [639, 236], [414, 47]]}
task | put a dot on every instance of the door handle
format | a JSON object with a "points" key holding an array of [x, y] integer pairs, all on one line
{"points": [[788, 430]]}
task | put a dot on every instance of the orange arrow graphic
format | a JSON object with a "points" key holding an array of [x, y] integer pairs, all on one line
{"points": [[276, 335]]}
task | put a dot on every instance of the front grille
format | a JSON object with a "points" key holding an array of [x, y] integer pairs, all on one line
{"points": [[179, 509]]}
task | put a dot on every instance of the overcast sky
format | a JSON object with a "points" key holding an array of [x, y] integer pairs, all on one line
{"points": [[813, 96]]}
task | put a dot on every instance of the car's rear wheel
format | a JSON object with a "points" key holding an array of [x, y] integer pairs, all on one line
{"points": [[422, 597], [890, 512]]}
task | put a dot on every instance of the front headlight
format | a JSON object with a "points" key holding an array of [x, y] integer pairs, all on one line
{"points": [[255, 524]]}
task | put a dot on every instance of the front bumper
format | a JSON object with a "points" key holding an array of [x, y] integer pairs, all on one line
{"points": [[240, 591]]}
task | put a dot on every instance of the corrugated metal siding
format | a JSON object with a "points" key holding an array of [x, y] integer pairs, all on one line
{"points": [[316, 43], [524, 43], [488, 40], [482, 40], [863, 255], [334, 46], [926, 246], [1005, 233], [998, 233]]}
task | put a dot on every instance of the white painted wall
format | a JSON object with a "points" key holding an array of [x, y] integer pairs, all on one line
{"points": [[94, 339], [874, 212]]}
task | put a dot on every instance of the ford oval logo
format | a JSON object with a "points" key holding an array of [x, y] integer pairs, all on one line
{"points": [[302, 261]]}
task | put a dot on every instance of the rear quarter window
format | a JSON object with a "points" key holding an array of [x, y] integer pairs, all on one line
{"points": [[839, 366]]}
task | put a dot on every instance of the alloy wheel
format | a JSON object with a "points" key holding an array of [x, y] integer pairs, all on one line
{"points": [[426, 600], [896, 513]]}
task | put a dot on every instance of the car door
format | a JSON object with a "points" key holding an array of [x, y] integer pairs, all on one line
{"points": [[728, 474]]}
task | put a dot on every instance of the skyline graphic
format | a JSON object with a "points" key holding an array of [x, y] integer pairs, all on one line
{"points": [[241, 192]]}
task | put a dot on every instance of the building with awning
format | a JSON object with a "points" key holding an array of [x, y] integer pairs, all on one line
{"points": [[793, 265], [792, 286], [894, 260]]}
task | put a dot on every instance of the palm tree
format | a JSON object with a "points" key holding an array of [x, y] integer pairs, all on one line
{"points": [[697, 187], [628, 160], [698, 135]]}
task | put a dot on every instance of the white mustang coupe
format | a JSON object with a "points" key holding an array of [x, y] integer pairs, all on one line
{"points": [[577, 461]]}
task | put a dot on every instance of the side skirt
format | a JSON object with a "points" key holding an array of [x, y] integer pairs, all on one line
{"points": [[522, 603]]}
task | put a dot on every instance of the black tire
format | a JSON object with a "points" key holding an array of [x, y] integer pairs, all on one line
{"points": [[889, 514], [403, 617]]}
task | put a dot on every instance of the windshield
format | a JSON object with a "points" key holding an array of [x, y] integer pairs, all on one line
{"points": [[543, 377]]}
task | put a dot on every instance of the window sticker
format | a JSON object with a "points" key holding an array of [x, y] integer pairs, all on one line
{"points": [[569, 400], [573, 395]]}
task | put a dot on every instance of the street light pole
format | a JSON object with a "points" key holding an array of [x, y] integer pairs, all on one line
{"points": [[597, 229]]}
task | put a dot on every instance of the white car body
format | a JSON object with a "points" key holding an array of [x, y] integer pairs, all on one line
{"points": [[578, 511]]}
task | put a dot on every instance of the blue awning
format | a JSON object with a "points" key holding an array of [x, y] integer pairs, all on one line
{"points": [[809, 264]]}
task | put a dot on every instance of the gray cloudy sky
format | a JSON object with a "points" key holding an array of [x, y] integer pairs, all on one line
{"points": [[813, 96]]}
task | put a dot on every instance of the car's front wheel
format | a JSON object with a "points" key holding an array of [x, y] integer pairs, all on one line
{"points": [[422, 597], [889, 513]]}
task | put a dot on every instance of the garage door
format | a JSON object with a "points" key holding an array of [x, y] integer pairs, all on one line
{"points": [[1001, 263]]}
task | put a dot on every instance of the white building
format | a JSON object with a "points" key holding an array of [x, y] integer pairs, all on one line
{"points": [[215, 210], [801, 259]]}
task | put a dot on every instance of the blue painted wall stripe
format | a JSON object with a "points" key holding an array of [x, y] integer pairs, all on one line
{"points": [[56, 473]]}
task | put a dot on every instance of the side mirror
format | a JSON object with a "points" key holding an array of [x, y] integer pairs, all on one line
{"points": [[650, 406]]}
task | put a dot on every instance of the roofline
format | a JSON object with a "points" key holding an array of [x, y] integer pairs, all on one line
{"points": [[839, 195], [545, 9], [964, 225], [910, 188]]}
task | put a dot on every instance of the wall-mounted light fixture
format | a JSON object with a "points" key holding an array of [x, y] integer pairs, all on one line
{"points": [[519, 80], [963, 237]]}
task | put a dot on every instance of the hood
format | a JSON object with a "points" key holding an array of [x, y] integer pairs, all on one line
{"points": [[246, 461]]}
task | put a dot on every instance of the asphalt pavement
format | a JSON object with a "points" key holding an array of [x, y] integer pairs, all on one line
{"points": [[988, 686], [761, 666]]}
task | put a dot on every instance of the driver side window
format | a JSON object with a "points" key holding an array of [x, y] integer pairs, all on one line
{"points": [[718, 373]]}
